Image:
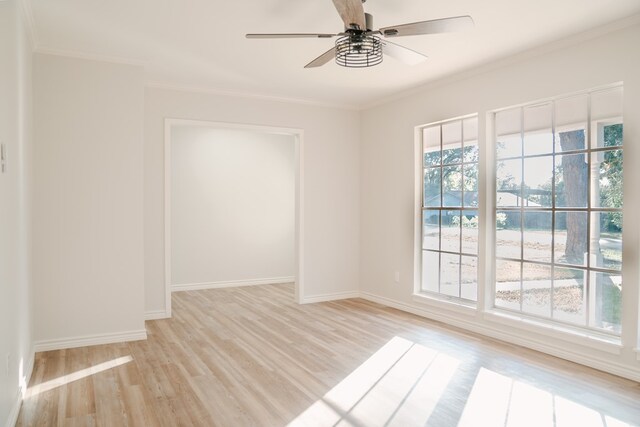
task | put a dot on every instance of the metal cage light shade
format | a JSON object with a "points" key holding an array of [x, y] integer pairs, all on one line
{"points": [[358, 51]]}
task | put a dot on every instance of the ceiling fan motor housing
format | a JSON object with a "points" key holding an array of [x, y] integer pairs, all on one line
{"points": [[359, 48]]}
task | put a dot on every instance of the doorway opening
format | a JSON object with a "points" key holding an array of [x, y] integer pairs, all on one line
{"points": [[233, 206]]}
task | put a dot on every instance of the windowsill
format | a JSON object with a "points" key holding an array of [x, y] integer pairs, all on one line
{"points": [[608, 344], [466, 308]]}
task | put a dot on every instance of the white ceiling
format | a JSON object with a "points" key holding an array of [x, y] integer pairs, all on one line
{"points": [[201, 43]]}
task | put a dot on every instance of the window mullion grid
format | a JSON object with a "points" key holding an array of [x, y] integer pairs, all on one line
{"points": [[590, 265], [461, 205], [582, 151], [521, 202], [441, 211], [588, 285], [553, 213]]}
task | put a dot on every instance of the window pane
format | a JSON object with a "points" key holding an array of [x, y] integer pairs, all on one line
{"points": [[470, 130], [570, 238], [508, 133], [470, 152], [559, 209], [469, 278], [432, 187], [470, 184], [571, 175], [607, 191], [538, 138], [450, 180], [508, 237], [571, 117], [612, 134], [452, 186], [470, 134], [607, 297], [470, 232], [431, 146], [606, 240], [538, 174], [569, 295], [508, 185], [430, 270], [452, 143], [508, 284], [606, 106], [537, 236], [431, 230], [536, 282], [450, 231], [450, 275]]}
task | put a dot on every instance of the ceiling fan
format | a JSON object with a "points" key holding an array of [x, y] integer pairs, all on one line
{"points": [[361, 46]]}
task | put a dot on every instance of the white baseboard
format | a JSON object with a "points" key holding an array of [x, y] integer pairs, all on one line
{"points": [[156, 315], [28, 370], [330, 297], [230, 284], [600, 364], [85, 341], [17, 404]]}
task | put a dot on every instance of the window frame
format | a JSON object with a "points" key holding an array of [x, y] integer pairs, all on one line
{"points": [[593, 131], [439, 307], [421, 294]]}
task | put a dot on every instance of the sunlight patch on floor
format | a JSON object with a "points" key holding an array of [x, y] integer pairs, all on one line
{"points": [[75, 376], [400, 385], [497, 400]]}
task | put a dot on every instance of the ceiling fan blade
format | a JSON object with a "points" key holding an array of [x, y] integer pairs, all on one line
{"points": [[444, 25], [322, 59], [290, 36], [352, 13], [402, 54]]}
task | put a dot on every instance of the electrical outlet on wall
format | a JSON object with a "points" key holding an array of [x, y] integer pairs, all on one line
{"points": [[396, 277]]}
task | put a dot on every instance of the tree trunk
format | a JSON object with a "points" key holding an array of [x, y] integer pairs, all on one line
{"points": [[575, 176]]}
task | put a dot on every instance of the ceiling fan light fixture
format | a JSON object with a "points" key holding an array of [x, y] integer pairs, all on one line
{"points": [[358, 50]]}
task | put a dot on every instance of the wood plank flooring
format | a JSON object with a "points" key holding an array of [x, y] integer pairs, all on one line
{"points": [[252, 357]]}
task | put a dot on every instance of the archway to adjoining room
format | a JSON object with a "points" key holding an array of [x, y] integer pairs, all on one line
{"points": [[233, 211]]}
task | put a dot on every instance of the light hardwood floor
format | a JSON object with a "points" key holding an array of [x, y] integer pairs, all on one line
{"points": [[252, 357]]}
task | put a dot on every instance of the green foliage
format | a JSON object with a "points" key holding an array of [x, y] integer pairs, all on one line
{"points": [[453, 177], [611, 190]]}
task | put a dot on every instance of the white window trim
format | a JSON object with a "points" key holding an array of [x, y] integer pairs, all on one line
{"points": [[444, 302], [486, 240], [588, 338], [433, 298]]}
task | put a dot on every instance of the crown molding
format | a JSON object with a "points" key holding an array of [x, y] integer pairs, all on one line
{"points": [[89, 56], [193, 89], [248, 95], [30, 22], [494, 64]]}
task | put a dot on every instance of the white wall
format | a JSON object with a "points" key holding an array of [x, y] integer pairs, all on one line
{"points": [[15, 209], [232, 206], [388, 178], [88, 246], [330, 160]]}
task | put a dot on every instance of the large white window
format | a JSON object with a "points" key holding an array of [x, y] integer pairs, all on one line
{"points": [[558, 210], [450, 208]]}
